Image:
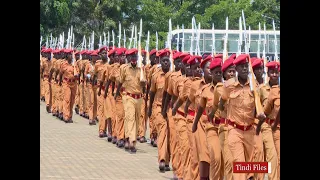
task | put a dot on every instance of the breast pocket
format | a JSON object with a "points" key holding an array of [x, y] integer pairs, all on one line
{"points": [[234, 99], [137, 78], [197, 94], [249, 102], [160, 83], [277, 104], [209, 102], [160, 86], [70, 70], [128, 78]]}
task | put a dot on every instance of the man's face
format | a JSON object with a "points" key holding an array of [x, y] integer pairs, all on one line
{"points": [[49, 55], [122, 58], [94, 58], [258, 71], [165, 64], [187, 69], [152, 59], [197, 71], [216, 74], [69, 56], [104, 55], [230, 72], [134, 60], [111, 57], [178, 64], [157, 60], [206, 71], [144, 59], [116, 58], [243, 70], [273, 75]]}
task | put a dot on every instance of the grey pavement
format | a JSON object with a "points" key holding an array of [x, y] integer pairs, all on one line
{"points": [[74, 151]]}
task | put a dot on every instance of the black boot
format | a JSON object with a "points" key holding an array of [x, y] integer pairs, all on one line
{"points": [[167, 168], [48, 109], [109, 129], [114, 140], [76, 109], [162, 166], [120, 143], [143, 139]]}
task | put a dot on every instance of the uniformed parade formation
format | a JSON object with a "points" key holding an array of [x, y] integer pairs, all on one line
{"points": [[204, 112]]}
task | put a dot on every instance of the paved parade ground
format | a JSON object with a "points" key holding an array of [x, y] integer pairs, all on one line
{"points": [[74, 151]]}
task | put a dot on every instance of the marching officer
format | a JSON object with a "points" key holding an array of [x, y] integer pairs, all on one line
{"points": [[53, 82], [59, 91], [144, 105], [92, 88], [68, 74], [213, 171], [118, 127], [82, 88], [45, 71], [135, 84], [173, 80], [156, 91], [100, 73], [109, 101], [228, 70], [265, 143], [240, 115], [42, 59], [77, 100], [272, 109]]}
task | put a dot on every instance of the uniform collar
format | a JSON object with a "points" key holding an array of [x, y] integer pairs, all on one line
{"points": [[237, 83]]}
